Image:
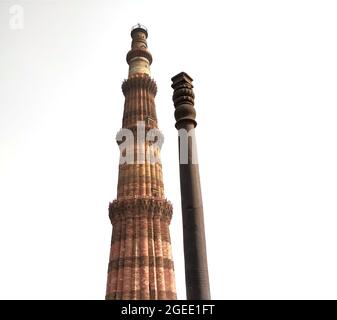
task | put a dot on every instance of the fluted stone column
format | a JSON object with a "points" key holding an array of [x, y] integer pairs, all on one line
{"points": [[141, 265]]}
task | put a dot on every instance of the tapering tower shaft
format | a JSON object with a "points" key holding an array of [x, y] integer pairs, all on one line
{"points": [[140, 265]]}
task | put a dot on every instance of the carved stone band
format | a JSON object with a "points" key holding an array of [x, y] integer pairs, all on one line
{"points": [[140, 207]]}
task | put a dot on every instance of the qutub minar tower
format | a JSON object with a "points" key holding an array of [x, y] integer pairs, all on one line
{"points": [[140, 265]]}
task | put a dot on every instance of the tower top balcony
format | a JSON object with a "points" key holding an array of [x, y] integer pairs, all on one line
{"points": [[138, 28], [139, 58]]}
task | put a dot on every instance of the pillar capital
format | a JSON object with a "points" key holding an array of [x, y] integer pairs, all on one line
{"points": [[183, 99]]}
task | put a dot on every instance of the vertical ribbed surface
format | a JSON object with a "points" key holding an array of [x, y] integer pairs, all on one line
{"points": [[141, 265]]}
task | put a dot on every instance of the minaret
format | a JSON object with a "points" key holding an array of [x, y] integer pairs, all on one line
{"points": [[141, 265]]}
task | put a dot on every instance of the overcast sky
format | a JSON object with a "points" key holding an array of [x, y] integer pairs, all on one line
{"points": [[265, 76]]}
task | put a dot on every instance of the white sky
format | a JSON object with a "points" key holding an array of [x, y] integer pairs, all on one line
{"points": [[265, 76]]}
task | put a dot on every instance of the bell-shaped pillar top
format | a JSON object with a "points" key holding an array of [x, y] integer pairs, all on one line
{"points": [[139, 58]]}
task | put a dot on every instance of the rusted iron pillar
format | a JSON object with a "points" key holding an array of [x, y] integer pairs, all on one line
{"points": [[196, 270]]}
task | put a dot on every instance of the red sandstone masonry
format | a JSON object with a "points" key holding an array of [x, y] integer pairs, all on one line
{"points": [[140, 264]]}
